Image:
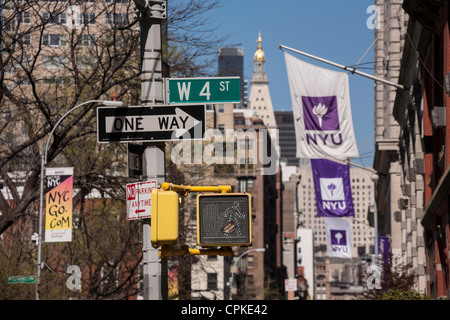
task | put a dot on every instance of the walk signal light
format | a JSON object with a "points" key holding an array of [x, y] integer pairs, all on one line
{"points": [[224, 219], [164, 218]]}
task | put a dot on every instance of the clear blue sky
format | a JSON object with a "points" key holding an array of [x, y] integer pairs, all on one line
{"points": [[331, 29]]}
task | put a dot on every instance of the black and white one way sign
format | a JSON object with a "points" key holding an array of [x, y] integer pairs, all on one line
{"points": [[155, 123]]}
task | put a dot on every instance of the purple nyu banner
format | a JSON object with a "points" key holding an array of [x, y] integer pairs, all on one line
{"points": [[322, 111], [383, 248], [332, 188], [338, 231]]}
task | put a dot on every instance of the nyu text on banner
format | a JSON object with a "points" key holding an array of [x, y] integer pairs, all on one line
{"points": [[58, 204], [332, 188], [338, 231], [322, 111]]}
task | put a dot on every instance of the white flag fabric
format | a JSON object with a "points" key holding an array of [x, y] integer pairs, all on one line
{"points": [[322, 111], [338, 231]]}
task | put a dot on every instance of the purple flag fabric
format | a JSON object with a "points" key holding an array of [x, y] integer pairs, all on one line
{"points": [[332, 188], [383, 248]]}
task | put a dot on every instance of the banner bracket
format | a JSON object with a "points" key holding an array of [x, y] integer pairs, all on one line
{"points": [[349, 69]]}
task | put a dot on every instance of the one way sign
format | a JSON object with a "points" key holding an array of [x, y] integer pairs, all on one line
{"points": [[156, 123]]}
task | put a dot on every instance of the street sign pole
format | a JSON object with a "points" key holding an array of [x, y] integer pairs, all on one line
{"points": [[152, 93]]}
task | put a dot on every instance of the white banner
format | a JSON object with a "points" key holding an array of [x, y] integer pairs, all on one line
{"points": [[338, 231], [322, 111]]}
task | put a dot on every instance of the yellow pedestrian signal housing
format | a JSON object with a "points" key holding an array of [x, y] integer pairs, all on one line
{"points": [[164, 218], [224, 219]]}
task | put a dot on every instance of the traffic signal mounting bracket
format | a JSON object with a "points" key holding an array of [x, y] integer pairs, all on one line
{"points": [[184, 190], [169, 251]]}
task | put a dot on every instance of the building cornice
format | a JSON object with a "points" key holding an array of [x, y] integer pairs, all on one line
{"points": [[426, 11]]}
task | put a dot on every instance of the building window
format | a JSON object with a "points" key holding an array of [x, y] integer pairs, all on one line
{"points": [[87, 40], [242, 185], [211, 281], [9, 4], [242, 144], [86, 18], [26, 39], [54, 61], [221, 108], [250, 144], [250, 261], [242, 163], [250, 280], [85, 61], [54, 40], [119, 19], [24, 17], [54, 19]]}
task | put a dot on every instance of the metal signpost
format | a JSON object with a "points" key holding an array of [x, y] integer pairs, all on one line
{"points": [[151, 13], [204, 90]]}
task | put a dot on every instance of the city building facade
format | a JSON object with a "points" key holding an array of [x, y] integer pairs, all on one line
{"points": [[286, 134], [388, 49], [421, 113], [400, 151]]}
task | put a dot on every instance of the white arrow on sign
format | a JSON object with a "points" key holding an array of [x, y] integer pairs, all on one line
{"points": [[180, 122]]}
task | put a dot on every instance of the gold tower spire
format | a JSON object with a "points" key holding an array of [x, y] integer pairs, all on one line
{"points": [[259, 54]]}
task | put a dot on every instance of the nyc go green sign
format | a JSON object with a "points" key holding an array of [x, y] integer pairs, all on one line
{"points": [[204, 90]]}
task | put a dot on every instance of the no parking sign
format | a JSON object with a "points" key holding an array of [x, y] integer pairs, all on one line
{"points": [[139, 199]]}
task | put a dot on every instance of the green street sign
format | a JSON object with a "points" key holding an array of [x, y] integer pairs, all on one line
{"points": [[21, 279], [204, 90]]}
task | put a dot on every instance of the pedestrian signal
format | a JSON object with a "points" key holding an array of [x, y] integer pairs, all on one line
{"points": [[224, 219]]}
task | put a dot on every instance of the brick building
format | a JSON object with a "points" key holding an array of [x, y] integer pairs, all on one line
{"points": [[424, 141]]}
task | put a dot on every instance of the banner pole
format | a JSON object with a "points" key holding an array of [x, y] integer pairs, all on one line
{"points": [[39, 239], [353, 164], [352, 70]]}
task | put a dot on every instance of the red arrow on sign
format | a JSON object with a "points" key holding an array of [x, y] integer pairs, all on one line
{"points": [[140, 211]]}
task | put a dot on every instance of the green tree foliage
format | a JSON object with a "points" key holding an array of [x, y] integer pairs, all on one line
{"points": [[397, 283], [398, 294]]}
